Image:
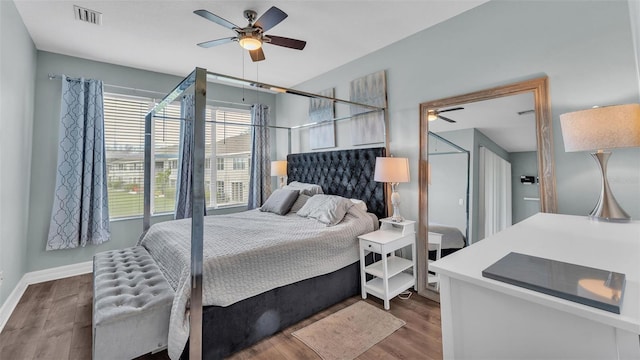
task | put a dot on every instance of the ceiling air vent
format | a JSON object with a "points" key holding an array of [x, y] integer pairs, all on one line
{"points": [[87, 15]]}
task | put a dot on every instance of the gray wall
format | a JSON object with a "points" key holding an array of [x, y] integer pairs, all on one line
{"points": [[17, 86], [448, 190], [45, 137], [584, 47], [524, 163]]}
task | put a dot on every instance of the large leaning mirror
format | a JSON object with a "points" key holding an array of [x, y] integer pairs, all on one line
{"points": [[486, 162]]}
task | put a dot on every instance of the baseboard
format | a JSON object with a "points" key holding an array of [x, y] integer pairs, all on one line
{"points": [[60, 272], [12, 301], [39, 276]]}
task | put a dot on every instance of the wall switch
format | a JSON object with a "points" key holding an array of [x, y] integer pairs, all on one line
{"points": [[460, 202]]}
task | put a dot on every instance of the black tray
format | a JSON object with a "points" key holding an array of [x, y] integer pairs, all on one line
{"points": [[599, 288]]}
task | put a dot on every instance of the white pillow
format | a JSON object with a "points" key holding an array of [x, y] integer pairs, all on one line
{"points": [[305, 188], [360, 204], [327, 209]]}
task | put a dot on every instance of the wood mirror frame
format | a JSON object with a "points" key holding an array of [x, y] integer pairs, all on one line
{"points": [[546, 165]]}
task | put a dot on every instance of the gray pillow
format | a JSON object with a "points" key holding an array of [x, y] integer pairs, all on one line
{"points": [[328, 209], [305, 188], [302, 199], [280, 201]]}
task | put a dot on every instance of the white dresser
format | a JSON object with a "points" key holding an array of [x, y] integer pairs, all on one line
{"points": [[485, 318]]}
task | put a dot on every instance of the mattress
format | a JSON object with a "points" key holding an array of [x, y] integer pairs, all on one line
{"points": [[270, 250], [452, 237]]}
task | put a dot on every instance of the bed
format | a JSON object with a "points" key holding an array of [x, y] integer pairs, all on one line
{"points": [[222, 328], [291, 277], [452, 239]]}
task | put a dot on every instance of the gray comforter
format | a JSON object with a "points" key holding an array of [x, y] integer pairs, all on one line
{"points": [[248, 253]]}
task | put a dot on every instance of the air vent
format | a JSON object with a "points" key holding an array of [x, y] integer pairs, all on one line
{"points": [[87, 15]]}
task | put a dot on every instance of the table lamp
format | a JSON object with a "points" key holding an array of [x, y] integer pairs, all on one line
{"points": [[392, 170], [279, 168], [598, 129]]}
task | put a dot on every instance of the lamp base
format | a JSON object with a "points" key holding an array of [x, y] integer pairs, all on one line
{"points": [[607, 208], [395, 202]]}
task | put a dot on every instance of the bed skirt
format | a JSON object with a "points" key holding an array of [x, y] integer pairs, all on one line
{"points": [[227, 330]]}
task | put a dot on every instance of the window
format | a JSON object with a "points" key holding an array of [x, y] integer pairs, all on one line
{"points": [[124, 143], [233, 149], [220, 195], [239, 163], [237, 195]]}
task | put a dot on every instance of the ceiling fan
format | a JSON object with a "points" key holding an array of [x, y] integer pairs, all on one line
{"points": [[253, 36], [435, 114]]}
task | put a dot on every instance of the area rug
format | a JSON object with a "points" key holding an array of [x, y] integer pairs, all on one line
{"points": [[346, 334]]}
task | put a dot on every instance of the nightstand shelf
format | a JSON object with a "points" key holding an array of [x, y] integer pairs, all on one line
{"points": [[390, 274], [397, 284], [395, 265]]}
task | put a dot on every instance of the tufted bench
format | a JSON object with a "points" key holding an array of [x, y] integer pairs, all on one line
{"points": [[131, 304]]}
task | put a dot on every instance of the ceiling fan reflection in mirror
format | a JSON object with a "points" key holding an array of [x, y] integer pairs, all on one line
{"points": [[435, 114], [253, 36]]}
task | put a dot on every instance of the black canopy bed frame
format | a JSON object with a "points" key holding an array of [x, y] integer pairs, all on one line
{"points": [[217, 331]]}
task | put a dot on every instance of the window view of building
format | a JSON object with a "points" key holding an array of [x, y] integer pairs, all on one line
{"points": [[229, 145]]}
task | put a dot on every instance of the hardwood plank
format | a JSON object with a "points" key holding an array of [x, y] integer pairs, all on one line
{"points": [[55, 343], [63, 287], [82, 335], [83, 316], [291, 348], [63, 312]]}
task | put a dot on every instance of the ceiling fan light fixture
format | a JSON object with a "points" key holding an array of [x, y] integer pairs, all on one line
{"points": [[250, 43], [431, 116]]}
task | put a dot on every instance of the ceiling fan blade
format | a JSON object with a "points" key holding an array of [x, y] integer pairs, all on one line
{"points": [[257, 55], [216, 19], [271, 18], [286, 42], [212, 43], [446, 119], [452, 109]]}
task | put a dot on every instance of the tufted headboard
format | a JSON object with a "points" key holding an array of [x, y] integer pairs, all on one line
{"points": [[348, 173]]}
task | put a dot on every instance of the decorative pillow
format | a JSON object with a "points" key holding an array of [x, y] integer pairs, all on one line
{"points": [[360, 204], [302, 199], [328, 209], [305, 188], [280, 201]]}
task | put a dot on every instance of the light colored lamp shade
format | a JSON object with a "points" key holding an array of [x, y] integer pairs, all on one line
{"points": [[392, 170], [279, 168], [601, 128]]}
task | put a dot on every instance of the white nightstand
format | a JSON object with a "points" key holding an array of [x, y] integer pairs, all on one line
{"points": [[390, 278], [435, 243]]}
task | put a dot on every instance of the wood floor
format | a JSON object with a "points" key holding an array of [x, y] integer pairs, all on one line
{"points": [[53, 321]]}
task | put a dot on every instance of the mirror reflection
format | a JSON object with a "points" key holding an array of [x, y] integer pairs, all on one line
{"points": [[482, 171]]}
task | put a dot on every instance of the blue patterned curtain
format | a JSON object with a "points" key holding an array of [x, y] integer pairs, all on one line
{"points": [[260, 176], [80, 213], [185, 164]]}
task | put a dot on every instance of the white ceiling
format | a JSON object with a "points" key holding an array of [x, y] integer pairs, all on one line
{"points": [[498, 119], [162, 35]]}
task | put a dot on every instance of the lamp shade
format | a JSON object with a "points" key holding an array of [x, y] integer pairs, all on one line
{"points": [[279, 168], [392, 170], [601, 128]]}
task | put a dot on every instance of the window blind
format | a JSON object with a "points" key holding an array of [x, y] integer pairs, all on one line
{"points": [[229, 145]]}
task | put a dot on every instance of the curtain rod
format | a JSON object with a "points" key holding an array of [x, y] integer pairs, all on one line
{"points": [[162, 94]]}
